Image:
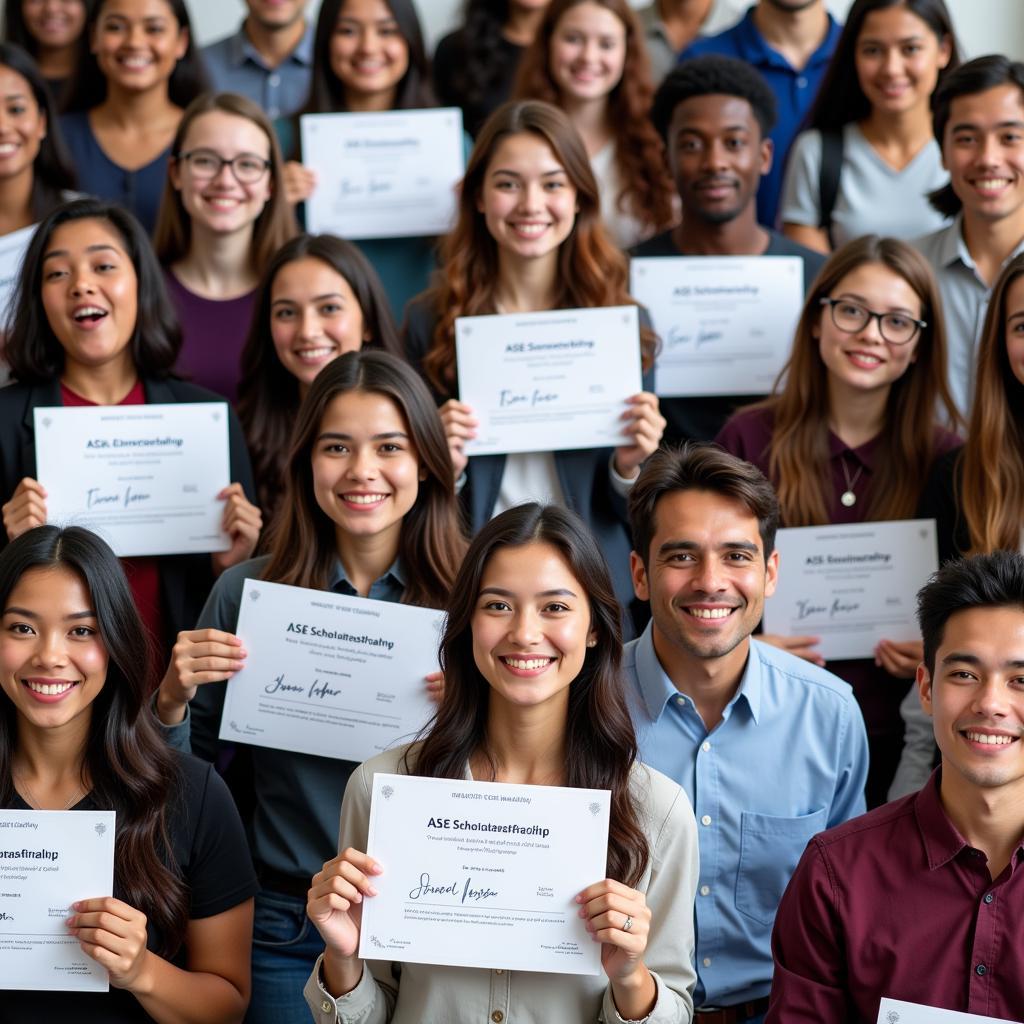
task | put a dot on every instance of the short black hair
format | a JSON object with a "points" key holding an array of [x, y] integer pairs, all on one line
{"points": [[978, 75], [713, 75], [993, 580]]}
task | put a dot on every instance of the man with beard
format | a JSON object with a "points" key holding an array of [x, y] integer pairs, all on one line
{"points": [[769, 748]]}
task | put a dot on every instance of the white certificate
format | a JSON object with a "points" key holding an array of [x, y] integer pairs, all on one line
{"points": [[329, 674], [48, 861], [12, 254], [144, 477], [482, 874], [851, 585], [896, 1011], [385, 175], [548, 381], [725, 322]]}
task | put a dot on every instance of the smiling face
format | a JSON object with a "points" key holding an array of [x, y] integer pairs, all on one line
{"points": [[368, 54], [22, 125], [717, 156], [314, 317], [90, 292], [54, 24], [1015, 327], [531, 626], [706, 576], [52, 660], [138, 43], [587, 52]]}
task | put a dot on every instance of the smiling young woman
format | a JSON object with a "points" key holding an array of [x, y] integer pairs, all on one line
{"points": [[50, 31]]}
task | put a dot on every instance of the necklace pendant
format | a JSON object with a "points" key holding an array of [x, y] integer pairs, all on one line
{"points": [[848, 498]]}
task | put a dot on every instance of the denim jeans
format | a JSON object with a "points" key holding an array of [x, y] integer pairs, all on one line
{"points": [[285, 947]]}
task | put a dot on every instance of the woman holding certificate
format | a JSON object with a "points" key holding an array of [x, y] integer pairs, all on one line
{"points": [[848, 431], [369, 510], [222, 217], [532, 698], [529, 238], [92, 327], [77, 734], [589, 59]]}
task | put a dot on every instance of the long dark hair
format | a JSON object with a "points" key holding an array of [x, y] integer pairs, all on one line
{"points": [[32, 350], [600, 745], [841, 100], [51, 170], [88, 88], [268, 395], [127, 762], [303, 542]]}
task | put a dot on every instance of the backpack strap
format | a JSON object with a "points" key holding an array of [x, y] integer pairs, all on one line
{"points": [[828, 180]]}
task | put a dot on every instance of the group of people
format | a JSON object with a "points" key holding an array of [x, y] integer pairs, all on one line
{"points": [[603, 605]]}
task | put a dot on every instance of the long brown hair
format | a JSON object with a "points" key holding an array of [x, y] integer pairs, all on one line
{"points": [[591, 270], [992, 488], [303, 545], [798, 452], [600, 744], [172, 236], [647, 188]]}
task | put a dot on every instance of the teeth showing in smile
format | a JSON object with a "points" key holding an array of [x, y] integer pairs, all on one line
{"points": [[992, 741], [710, 613], [89, 313], [364, 499], [313, 355], [991, 184], [48, 689], [527, 664], [530, 230], [865, 357], [7, 148], [135, 63]]}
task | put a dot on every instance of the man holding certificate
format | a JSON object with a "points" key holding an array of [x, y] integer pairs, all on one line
{"points": [[721, 713], [921, 900]]}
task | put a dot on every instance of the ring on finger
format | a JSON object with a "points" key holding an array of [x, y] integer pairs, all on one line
{"points": [[627, 924]]}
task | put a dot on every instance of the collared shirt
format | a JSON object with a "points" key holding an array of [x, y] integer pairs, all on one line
{"points": [[235, 65], [896, 903], [964, 302], [789, 722], [794, 90], [298, 796]]}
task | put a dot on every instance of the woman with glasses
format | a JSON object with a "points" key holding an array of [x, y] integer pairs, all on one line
{"points": [[849, 434], [222, 218]]}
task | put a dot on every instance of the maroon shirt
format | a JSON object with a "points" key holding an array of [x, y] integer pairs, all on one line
{"points": [[895, 903]]}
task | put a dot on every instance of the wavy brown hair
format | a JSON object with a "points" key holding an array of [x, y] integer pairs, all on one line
{"points": [[991, 488], [303, 545], [600, 745], [798, 453], [591, 269], [647, 187]]}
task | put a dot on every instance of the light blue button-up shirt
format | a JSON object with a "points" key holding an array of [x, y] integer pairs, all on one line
{"points": [[788, 759]]}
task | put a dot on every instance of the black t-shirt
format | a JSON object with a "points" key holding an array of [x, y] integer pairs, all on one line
{"points": [[208, 845]]}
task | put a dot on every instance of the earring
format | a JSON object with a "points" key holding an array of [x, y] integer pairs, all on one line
{"points": [[591, 643]]}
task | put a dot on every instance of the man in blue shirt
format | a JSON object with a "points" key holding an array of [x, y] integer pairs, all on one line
{"points": [[790, 42], [269, 59], [769, 748]]}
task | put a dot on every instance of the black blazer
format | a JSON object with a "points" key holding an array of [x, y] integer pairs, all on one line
{"points": [[185, 580]]}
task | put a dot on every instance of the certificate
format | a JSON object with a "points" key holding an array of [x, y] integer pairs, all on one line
{"points": [[144, 477], [329, 674], [548, 381], [483, 874], [383, 175], [726, 322], [895, 1011], [12, 254], [851, 585], [49, 860]]}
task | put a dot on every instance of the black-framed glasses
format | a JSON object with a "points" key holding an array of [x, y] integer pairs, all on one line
{"points": [[850, 317], [247, 168]]}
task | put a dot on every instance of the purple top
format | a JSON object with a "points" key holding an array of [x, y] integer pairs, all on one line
{"points": [[213, 336], [896, 903]]}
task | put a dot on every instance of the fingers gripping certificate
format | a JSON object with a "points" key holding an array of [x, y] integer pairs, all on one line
{"points": [[383, 175], [482, 874], [48, 860], [144, 477], [548, 381], [329, 674], [725, 322], [851, 585]]}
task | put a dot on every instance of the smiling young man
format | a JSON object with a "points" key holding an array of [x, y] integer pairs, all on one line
{"points": [[723, 714], [979, 123], [921, 899]]}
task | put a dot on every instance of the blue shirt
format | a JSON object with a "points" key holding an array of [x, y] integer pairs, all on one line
{"points": [[794, 90], [235, 65], [788, 760]]}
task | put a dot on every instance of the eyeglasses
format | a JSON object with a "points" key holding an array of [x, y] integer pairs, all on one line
{"points": [[247, 168], [851, 317]]}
